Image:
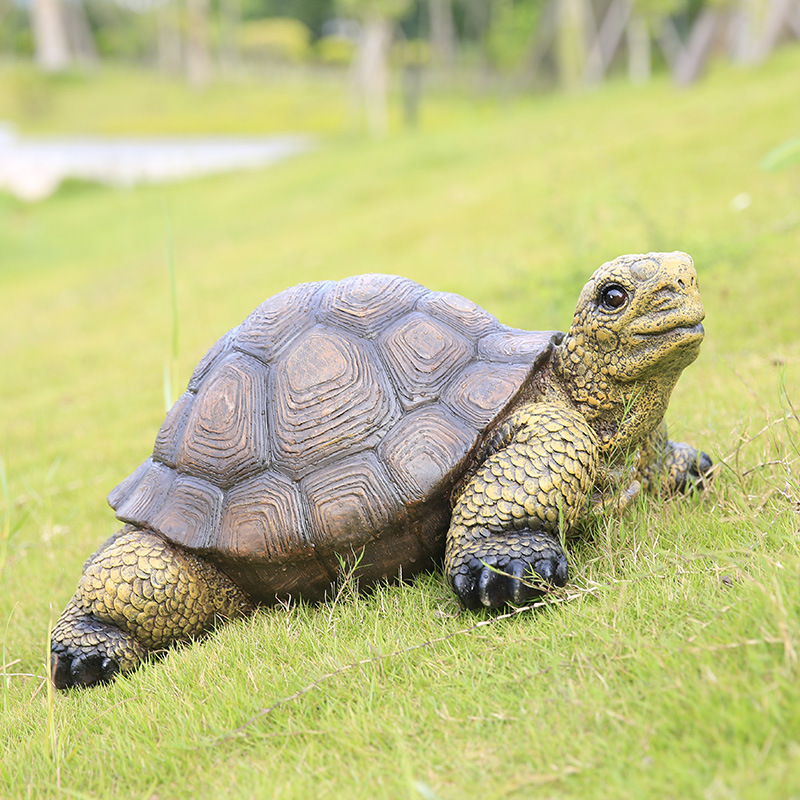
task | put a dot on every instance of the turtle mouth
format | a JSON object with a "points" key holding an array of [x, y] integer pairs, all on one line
{"points": [[689, 331]]}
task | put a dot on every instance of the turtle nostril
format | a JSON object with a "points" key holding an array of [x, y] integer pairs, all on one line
{"points": [[681, 283]]}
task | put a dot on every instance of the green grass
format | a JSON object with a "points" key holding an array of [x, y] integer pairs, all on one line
{"points": [[669, 669], [81, 102], [280, 100]]}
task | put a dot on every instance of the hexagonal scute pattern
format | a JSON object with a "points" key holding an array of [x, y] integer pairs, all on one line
{"points": [[511, 344], [280, 319], [424, 448], [330, 397], [190, 512], [170, 434], [483, 390], [216, 353], [263, 518], [460, 313], [422, 354], [117, 496], [366, 304], [350, 501], [226, 436], [139, 498]]}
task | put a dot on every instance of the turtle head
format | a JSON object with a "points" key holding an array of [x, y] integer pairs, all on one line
{"points": [[638, 318]]}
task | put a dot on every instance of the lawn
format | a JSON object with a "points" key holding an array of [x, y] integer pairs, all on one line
{"points": [[669, 666]]}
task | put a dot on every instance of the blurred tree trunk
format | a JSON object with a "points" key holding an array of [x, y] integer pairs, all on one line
{"points": [[413, 60], [198, 62], [783, 19], [607, 41], [750, 24], [477, 20], [541, 41], [640, 59], [230, 12], [443, 31], [169, 39], [690, 59], [79, 32], [50, 35], [792, 18], [571, 41], [412, 93], [371, 72], [760, 24]]}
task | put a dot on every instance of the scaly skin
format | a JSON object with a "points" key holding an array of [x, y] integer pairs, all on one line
{"points": [[509, 515], [138, 594], [671, 467], [590, 432], [593, 433]]}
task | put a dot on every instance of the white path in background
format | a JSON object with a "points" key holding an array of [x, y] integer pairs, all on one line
{"points": [[33, 168]]}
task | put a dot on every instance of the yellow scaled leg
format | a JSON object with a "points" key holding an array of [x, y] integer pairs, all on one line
{"points": [[531, 488], [138, 594]]}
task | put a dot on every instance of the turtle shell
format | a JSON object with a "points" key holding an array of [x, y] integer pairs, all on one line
{"points": [[335, 419]]}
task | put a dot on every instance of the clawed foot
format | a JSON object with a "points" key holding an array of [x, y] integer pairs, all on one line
{"points": [[70, 671], [86, 651], [699, 474], [516, 568]]}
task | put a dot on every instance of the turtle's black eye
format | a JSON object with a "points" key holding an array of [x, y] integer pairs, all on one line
{"points": [[613, 296]]}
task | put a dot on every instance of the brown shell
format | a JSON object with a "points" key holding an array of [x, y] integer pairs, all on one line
{"points": [[337, 417]]}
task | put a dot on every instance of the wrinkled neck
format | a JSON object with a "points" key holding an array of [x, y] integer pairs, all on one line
{"points": [[622, 414]]}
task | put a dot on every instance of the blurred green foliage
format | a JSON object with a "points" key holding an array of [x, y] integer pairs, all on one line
{"points": [[511, 31], [312, 13], [545, 42], [275, 39], [364, 9], [335, 50]]}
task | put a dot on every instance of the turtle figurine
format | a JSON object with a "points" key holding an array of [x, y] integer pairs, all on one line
{"points": [[375, 420]]}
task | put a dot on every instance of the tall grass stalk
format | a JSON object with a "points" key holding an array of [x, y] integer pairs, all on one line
{"points": [[52, 733], [5, 664], [5, 529], [171, 365]]}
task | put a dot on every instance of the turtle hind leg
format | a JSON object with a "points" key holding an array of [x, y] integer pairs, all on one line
{"points": [[86, 651], [138, 595]]}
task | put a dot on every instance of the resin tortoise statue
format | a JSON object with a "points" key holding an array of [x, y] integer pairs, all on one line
{"points": [[375, 420]]}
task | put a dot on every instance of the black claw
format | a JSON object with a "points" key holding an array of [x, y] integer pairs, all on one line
{"points": [[699, 475], [464, 584], [704, 463], [495, 587], [562, 572], [60, 669], [516, 570], [70, 672], [93, 670], [498, 579], [544, 569], [485, 580]]}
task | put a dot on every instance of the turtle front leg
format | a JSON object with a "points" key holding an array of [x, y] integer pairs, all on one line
{"points": [[504, 537], [138, 594], [673, 467]]}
